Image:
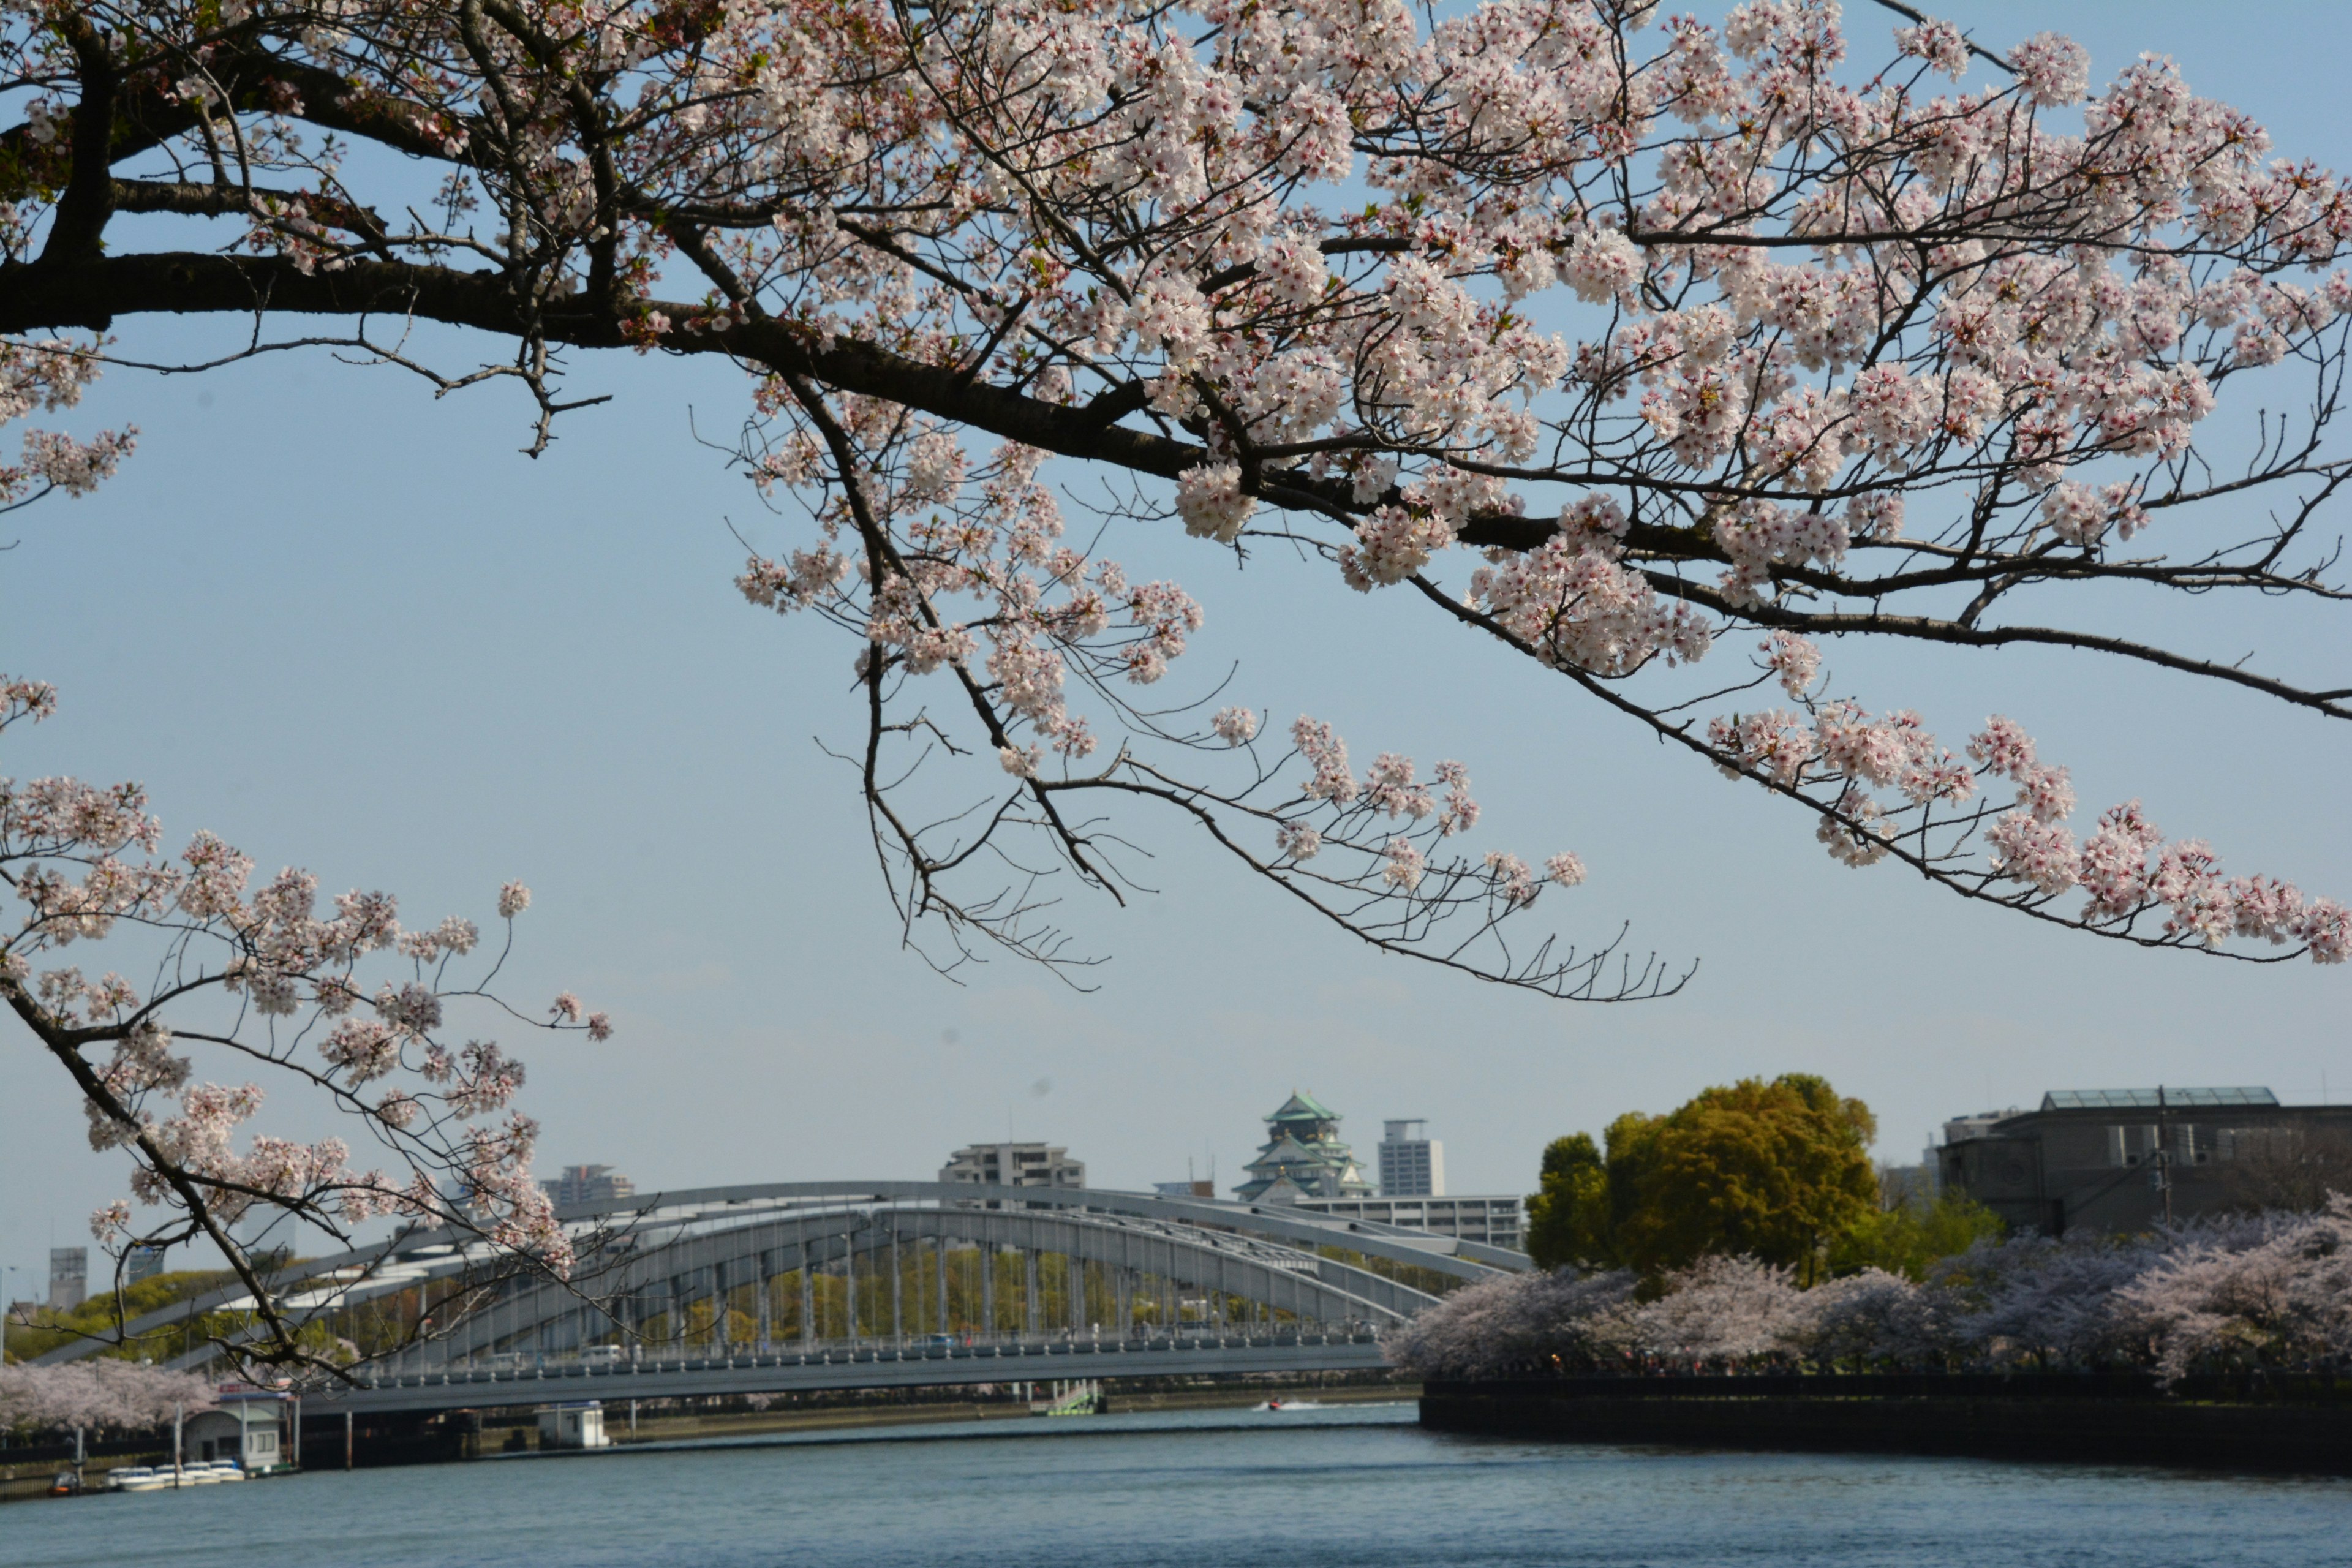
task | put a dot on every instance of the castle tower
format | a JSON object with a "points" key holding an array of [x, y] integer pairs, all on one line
{"points": [[1303, 1157]]}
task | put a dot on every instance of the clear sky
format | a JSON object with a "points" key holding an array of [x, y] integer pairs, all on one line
{"points": [[348, 626]]}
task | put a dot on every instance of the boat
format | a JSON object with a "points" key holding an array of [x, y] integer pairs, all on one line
{"points": [[1280, 1406], [1084, 1400], [137, 1478]]}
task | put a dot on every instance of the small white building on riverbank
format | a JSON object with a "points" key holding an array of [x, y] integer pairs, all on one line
{"points": [[578, 1426], [249, 1428]]}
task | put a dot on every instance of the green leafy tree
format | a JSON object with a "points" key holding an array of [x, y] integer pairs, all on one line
{"points": [[1909, 1236], [1569, 1221], [1779, 1170]]}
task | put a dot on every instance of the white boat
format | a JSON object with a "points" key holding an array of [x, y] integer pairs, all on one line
{"points": [[218, 1470], [137, 1478], [1281, 1406], [201, 1473]]}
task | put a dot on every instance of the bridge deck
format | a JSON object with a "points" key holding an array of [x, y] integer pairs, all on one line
{"points": [[866, 1366]]}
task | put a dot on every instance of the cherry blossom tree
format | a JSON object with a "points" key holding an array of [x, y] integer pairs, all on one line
{"points": [[1873, 1318], [2274, 1290], [1546, 1319], [258, 978], [1632, 346], [1719, 1314]]}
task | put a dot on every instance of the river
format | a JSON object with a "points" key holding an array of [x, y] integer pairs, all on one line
{"points": [[1344, 1487]]}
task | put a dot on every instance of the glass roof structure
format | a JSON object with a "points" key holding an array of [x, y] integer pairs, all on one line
{"points": [[2152, 1099]]}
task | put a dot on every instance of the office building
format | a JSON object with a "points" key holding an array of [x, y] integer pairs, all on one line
{"points": [[1498, 1221], [589, 1184], [2126, 1159], [141, 1263], [68, 1278], [1413, 1164], [1303, 1157], [1014, 1165]]}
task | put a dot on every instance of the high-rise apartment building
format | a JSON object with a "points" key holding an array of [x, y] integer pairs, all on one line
{"points": [[1413, 1164], [589, 1184], [1014, 1165]]}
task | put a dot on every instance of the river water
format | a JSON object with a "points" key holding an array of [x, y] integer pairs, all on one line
{"points": [[1342, 1487]]}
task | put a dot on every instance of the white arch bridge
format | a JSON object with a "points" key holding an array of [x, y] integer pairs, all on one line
{"points": [[809, 1286]]}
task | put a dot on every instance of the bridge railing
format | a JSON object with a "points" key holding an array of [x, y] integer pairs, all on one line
{"points": [[516, 1369], [644, 1356]]}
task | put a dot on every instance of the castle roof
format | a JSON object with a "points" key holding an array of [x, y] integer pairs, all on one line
{"points": [[1303, 1153], [1301, 1107]]}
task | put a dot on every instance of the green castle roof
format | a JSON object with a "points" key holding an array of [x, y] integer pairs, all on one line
{"points": [[1302, 1107]]}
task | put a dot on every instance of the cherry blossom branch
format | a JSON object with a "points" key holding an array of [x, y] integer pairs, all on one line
{"points": [[1685, 331]]}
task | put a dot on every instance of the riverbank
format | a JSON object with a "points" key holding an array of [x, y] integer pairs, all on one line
{"points": [[690, 1427], [2278, 1437], [31, 1477]]}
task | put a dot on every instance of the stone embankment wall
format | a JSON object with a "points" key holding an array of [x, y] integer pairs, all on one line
{"points": [[2285, 1426]]}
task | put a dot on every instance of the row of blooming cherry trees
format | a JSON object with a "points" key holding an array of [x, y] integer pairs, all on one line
{"points": [[2273, 1290], [99, 1396], [1626, 346]]}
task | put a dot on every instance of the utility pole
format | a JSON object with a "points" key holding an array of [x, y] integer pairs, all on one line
{"points": [[2164, 1152]]}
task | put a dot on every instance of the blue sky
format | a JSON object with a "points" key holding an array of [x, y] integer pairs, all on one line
{"points": [[349, 626]]}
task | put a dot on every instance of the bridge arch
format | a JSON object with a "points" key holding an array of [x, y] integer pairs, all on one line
{"points": [[930, 1270], [650, 1260]]}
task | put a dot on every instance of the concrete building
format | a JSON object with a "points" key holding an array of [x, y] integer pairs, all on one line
{"points": [[2121, 1160], [143, 1263], [68, 1278], [589, 1184], [1413, 1164], [1495, 1221], [1014, 1165], [1303, 1157], [1190, 1188]]}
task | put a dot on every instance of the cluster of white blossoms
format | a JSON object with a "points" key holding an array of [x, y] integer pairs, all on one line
{"points": [[2126, 868], [1211, 502]]}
